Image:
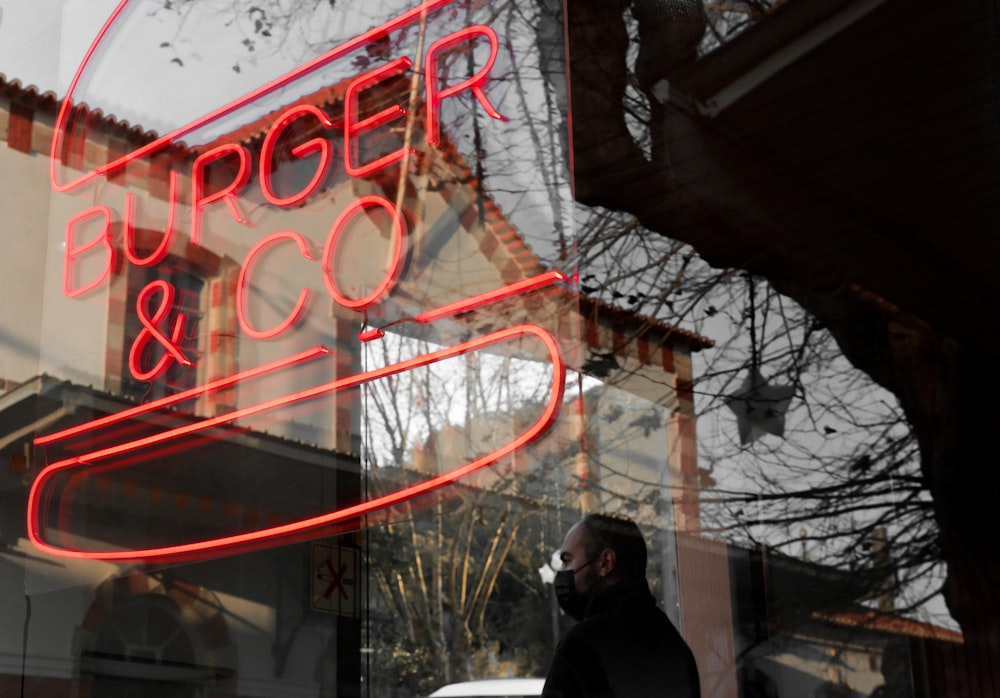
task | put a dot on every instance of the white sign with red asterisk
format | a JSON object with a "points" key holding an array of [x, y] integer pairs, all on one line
{"points": [[335, 579]]}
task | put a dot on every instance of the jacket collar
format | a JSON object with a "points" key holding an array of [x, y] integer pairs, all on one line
{"points": [[627, 593]]}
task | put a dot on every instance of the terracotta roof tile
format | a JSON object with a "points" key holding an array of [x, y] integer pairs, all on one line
{"points": [[892, 624]]}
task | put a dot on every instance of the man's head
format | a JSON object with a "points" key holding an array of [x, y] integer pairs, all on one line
{"points": [[602, 551]]}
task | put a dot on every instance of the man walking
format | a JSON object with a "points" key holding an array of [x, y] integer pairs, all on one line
{"points": [[623, 646]]}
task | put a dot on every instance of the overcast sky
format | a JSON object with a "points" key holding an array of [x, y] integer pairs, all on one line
{"points": [[42, 43], [42, 40]]}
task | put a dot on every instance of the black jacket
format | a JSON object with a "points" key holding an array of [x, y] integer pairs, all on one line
{"points": [[625, 647]]}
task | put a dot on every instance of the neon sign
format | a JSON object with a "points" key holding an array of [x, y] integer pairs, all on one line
{"points": [[89, 239], [36, 501]]}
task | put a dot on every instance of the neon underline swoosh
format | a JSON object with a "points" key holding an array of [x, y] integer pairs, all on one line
{"points": [[542, 424]]}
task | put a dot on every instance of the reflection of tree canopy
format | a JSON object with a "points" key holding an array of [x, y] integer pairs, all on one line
{"points": [[846, 471], [457, 594], [455, 572], [847, 466], [475, 396]]}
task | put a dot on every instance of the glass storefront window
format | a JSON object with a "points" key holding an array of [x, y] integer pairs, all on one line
{"points": [[321, 325]]}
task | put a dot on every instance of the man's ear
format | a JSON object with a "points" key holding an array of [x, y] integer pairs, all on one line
{"points": [[607, 562]]}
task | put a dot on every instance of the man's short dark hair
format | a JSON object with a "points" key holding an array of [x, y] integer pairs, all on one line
{"points": [[621, 535]]}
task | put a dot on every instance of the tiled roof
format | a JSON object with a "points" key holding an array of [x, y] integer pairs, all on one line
{"points": [[14, 88], [890, 623]]}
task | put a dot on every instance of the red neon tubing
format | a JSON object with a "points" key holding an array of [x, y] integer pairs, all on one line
{"points": [[62, 119], [353, 128], [233, 542], [183, 396], [73, 251], [313, 145], [226, 194], [242, 287], [399, 232], [151, 332], [473, 302], [435, 94], [157, 255]]}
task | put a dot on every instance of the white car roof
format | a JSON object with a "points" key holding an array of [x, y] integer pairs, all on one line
{"points": [[491, 687]]}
